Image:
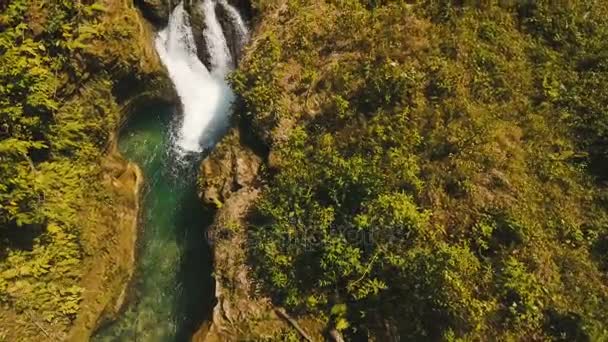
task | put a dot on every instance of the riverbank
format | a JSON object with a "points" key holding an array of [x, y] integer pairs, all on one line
{"points": [[432, 172], [111, 248], [111, 260], [75, 273], [230, 182]]}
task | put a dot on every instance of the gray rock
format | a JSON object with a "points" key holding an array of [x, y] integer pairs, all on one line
{"points": [[156, 11], [234, 39], [197, 22]]}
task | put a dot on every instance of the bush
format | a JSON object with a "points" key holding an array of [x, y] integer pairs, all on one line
{"points": [[437, 175]]}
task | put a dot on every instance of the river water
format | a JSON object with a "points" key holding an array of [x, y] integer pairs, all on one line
{"points": [[172, 291]]}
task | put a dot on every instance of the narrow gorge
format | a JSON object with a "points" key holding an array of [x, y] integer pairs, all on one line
{"points": [[303, 170], [172, 290]]}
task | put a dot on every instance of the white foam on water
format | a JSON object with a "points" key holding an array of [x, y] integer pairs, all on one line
{"points": [[205, 95]]}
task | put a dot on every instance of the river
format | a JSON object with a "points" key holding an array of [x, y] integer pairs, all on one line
{"points": [[172, 292]]}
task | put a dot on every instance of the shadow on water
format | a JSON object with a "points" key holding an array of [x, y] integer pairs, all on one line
{"points": [[196, 298], [173, 290]]}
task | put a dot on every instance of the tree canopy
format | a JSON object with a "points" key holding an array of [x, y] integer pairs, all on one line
{"points": [[60, 65], [436, 171]]}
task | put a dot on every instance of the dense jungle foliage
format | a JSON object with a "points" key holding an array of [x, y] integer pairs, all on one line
{"points": [[437, 170], [60, 63]]}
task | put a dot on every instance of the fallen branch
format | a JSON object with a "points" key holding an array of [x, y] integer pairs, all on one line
{"points": [[281, 312], [38, 325]]}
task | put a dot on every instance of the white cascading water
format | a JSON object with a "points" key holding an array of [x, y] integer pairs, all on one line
{"points": [[220, 61], [204, 94], [237, 22]]}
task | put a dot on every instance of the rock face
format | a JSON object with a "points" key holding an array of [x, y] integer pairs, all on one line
{"points": [[197, 22], [156, 11], [228, 169], [235, 39], [244, 7], [229, 181]]}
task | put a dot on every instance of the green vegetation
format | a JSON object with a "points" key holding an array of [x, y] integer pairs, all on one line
{"points": [[61, 64], [435, 171]]}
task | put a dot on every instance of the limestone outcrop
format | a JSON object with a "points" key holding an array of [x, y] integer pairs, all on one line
{"points": [[229, 181]]}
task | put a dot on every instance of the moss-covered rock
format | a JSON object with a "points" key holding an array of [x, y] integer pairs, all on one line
{"points": [[229, 182], [434, 168], [92, 62], [156, 11]]}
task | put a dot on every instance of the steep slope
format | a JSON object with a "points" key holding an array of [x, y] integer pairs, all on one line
{"points": [[430, 171], [69, 72]]}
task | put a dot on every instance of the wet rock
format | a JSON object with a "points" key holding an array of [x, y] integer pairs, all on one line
{"points": [[229, 168], [197, 22], [235, 39], [244, 7], [156, 11]]}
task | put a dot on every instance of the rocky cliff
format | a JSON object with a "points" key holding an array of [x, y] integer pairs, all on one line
{"points": [[103, 62], [229, 181], [111, 245]]}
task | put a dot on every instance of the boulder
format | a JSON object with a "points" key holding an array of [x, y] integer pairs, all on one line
{"points": [[197, 22], [229, 168], [156, 11]]}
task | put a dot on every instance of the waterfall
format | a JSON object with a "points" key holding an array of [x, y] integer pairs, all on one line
{"points": [[220, 60], [174, 285], [237, 23], [204, 94]]}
